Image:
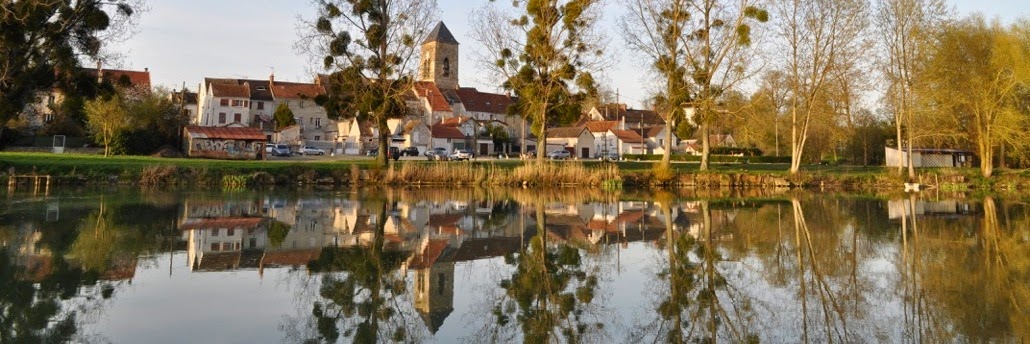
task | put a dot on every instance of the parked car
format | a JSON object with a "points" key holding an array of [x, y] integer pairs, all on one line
{"points": [[410, 151], [269, 147], [610, 156], [461, 154], [438, 153], [311, 150], [559, 154], [281, 150]]}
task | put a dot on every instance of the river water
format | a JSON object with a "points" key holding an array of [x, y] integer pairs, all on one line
{"points": [[511, 265]]}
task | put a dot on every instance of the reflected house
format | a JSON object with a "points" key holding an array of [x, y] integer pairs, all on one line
{"points": [[34, 261], [217, 244], [942, 208]]}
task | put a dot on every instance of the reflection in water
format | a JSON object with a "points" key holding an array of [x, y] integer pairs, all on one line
{"points": [[513, 265]]}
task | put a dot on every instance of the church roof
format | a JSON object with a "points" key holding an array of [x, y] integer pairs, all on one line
{"points": [[440, 34]]}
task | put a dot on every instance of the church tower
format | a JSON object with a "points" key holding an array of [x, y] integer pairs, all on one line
{"points": [[439, 62]]}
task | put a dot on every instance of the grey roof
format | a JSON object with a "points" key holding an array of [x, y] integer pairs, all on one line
{"points": [[440, 34]]}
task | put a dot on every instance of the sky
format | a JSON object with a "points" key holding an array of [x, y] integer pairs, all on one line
{"points": [[184, 41]]}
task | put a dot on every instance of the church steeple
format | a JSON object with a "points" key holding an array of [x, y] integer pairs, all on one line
{"points": [[439, 62]]}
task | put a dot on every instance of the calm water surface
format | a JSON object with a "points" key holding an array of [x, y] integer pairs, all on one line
{"points": [[379, 265]]}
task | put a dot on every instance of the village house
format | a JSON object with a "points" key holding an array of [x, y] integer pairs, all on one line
{"points": [[627, 118], [629, 142], [577, 140], [46, 106], [252, 103], [929, 157], [187, 101], [604, 140]]}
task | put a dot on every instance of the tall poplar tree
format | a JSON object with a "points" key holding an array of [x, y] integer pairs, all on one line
{"points": [[369, 47], [545, 56], [656, 28], [716, 37]]}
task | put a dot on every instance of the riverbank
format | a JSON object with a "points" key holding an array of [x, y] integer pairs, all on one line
{"points": [[74, 169]]}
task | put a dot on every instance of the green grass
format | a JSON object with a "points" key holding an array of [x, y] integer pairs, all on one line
{"points": [[62, 163]]}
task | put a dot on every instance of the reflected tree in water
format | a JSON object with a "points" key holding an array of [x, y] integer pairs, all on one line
{"points": [[695, 302], [548, 294], [361, 291], [988, 303]]}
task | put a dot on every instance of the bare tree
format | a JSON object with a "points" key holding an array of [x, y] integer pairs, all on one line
{"points": [[906, 30], [822, 38], [718, 39], [656, 28]]}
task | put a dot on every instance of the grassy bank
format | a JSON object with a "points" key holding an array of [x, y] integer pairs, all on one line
{"points": [[86, 169]]}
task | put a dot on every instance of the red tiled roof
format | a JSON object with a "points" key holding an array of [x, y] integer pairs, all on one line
{"points": [[290, 258], [654, 131], [475, 101], [628, 136], [564, 132], [600, 126], [223, 222], [230, 90], [630, 216], [429, 255], [443, 131], [283, 90], [443, 219], [432, 93], [135, 77], [225, 133], [615, 112]]}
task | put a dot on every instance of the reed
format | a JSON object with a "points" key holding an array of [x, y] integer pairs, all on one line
{"points": [[530, 174]]}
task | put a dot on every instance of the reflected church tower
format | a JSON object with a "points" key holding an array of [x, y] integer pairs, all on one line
{"points": [[434, 282], [439, 62]]}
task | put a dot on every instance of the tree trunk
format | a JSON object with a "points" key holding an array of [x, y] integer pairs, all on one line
{"points": [[384, 140], [911, 168], [667, 157], [704, 146], [897, 127], [541, 144]]}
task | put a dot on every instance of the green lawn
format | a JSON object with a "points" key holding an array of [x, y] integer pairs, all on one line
{"points": [[63, 163]]}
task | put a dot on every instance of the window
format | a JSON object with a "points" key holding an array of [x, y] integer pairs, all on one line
{"points": [[215, 246], [239, 103], [223, 102], [318, 122], [221, 118], [446, 66], [318, 138], [232, 232], [261, 105], [214, 232], [237, 118]]}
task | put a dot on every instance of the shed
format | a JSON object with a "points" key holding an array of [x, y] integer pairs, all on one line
{"points": [[224, 143], [930, 157]]}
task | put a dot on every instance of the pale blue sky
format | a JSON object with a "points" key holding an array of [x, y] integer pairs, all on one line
{"points": [[187, 40]]}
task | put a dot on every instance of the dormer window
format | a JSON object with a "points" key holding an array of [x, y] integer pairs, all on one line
{"points": [[262, 88]]}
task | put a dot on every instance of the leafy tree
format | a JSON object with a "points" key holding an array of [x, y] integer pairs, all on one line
{"points": [[907, 29], [154, 120], [277, 232], [369, 47], [976, 75], [42, 41], [283, 116], [106, 118], [544, 56]]}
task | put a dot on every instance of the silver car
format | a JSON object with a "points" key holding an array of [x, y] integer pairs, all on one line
{"points": [[461, 154], [438, 153], [559, 154]]}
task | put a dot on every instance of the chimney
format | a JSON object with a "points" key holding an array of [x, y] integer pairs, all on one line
{"points": [[271, 79], [146, 69], [100, 73]]}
